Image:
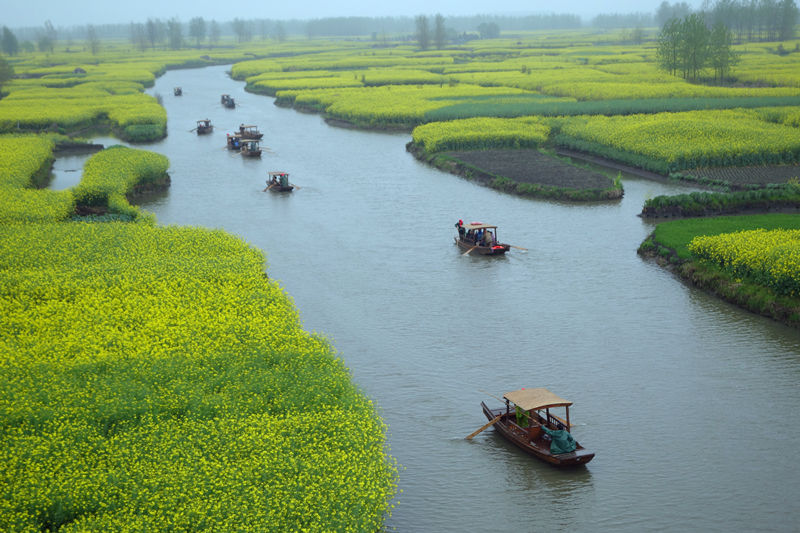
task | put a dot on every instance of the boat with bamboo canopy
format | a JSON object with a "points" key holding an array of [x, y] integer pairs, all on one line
{"points": [[480, 238], [527, 421]]}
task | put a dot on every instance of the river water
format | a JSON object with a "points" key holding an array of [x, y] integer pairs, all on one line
{"points": [[690, 404]]}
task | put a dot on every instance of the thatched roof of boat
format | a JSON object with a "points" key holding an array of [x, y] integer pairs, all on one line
{"points": [[478, 225], [539, 398]]}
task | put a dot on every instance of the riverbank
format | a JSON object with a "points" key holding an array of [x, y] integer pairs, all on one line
{"points": [[668, 247]]}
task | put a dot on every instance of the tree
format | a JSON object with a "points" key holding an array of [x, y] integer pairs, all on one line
{"points": [[214, 32], [10, 45], [138, 36], [788, 19], [197, 29], [280, 32], [155, 31], [667, 12], [423, 32], [721, 55], [489, 30], [175, 34], [46, 39], [439, 31], [51, 34], [242, 30], [694, 46], [92, 40], [669, 46], [6, 71]]}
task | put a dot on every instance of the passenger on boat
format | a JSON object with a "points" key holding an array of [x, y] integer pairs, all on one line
{"points": [[560, 441], [460, 226]]}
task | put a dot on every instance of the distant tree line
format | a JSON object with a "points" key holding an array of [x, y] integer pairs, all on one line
{"points": [[748, 20]]}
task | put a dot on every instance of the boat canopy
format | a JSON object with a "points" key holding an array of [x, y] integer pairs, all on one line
{"points": [[534, 399], [478, 225], [277, 173]]}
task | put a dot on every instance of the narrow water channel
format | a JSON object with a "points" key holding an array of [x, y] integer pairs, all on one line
{"points": [[690, 404]]}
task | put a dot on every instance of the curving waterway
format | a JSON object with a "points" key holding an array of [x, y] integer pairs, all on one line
{"points": [[691, 405]]}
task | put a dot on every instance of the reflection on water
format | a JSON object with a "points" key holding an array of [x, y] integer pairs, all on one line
{"points": [[689, 403]]}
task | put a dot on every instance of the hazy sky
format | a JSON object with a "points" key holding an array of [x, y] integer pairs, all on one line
{"points": [[22, 13]]}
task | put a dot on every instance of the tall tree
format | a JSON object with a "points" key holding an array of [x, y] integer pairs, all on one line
{"points": [[155, 31], [197, 29], [6, 71], [489, 30], [789, 15], [10, 45], [439, 31], [669, 46], [92, 39], [694, 46], [423, 32], [138, 36], [46, 39], [214, 32], [280, 32], [720, 54], [175, 33], [241, 28]]}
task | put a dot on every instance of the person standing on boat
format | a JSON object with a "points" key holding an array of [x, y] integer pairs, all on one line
{"points": [[460, 226]]}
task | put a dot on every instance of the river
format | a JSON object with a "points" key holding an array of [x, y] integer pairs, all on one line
{"points": [[689, 403]]}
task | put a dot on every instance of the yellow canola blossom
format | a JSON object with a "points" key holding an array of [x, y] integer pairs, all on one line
{"points": [[481, 133], [771, 258], [154, 379]]}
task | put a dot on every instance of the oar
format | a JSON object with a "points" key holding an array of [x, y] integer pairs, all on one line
{"points": [[191, 130], [518, 247], [468, 251], [295, 186], [490, 423]]}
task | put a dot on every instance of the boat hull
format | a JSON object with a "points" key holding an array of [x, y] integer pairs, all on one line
{"points": [[538, 447], [498, 249]]}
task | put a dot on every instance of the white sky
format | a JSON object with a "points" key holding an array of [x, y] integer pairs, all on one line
{"points": [[24, 13]]}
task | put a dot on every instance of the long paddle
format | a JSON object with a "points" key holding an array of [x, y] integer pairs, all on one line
{"points": [[295, 186], [490, 423], [468, 251], [518, 247]]}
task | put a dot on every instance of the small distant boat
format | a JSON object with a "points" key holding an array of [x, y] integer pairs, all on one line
{"points": [[532, 427], [177, 91], [250, 148], [479, 237], [249, 132], [204, 126], [234, 141], [279, 182], [227, 101]]}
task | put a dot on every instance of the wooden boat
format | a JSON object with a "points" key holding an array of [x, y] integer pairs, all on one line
{"points": [[249, 132], [234, 142], [177, 91], [279, 182], [480, 238], [204, 126], [523, 425], [250, 148], [227, 101]]}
